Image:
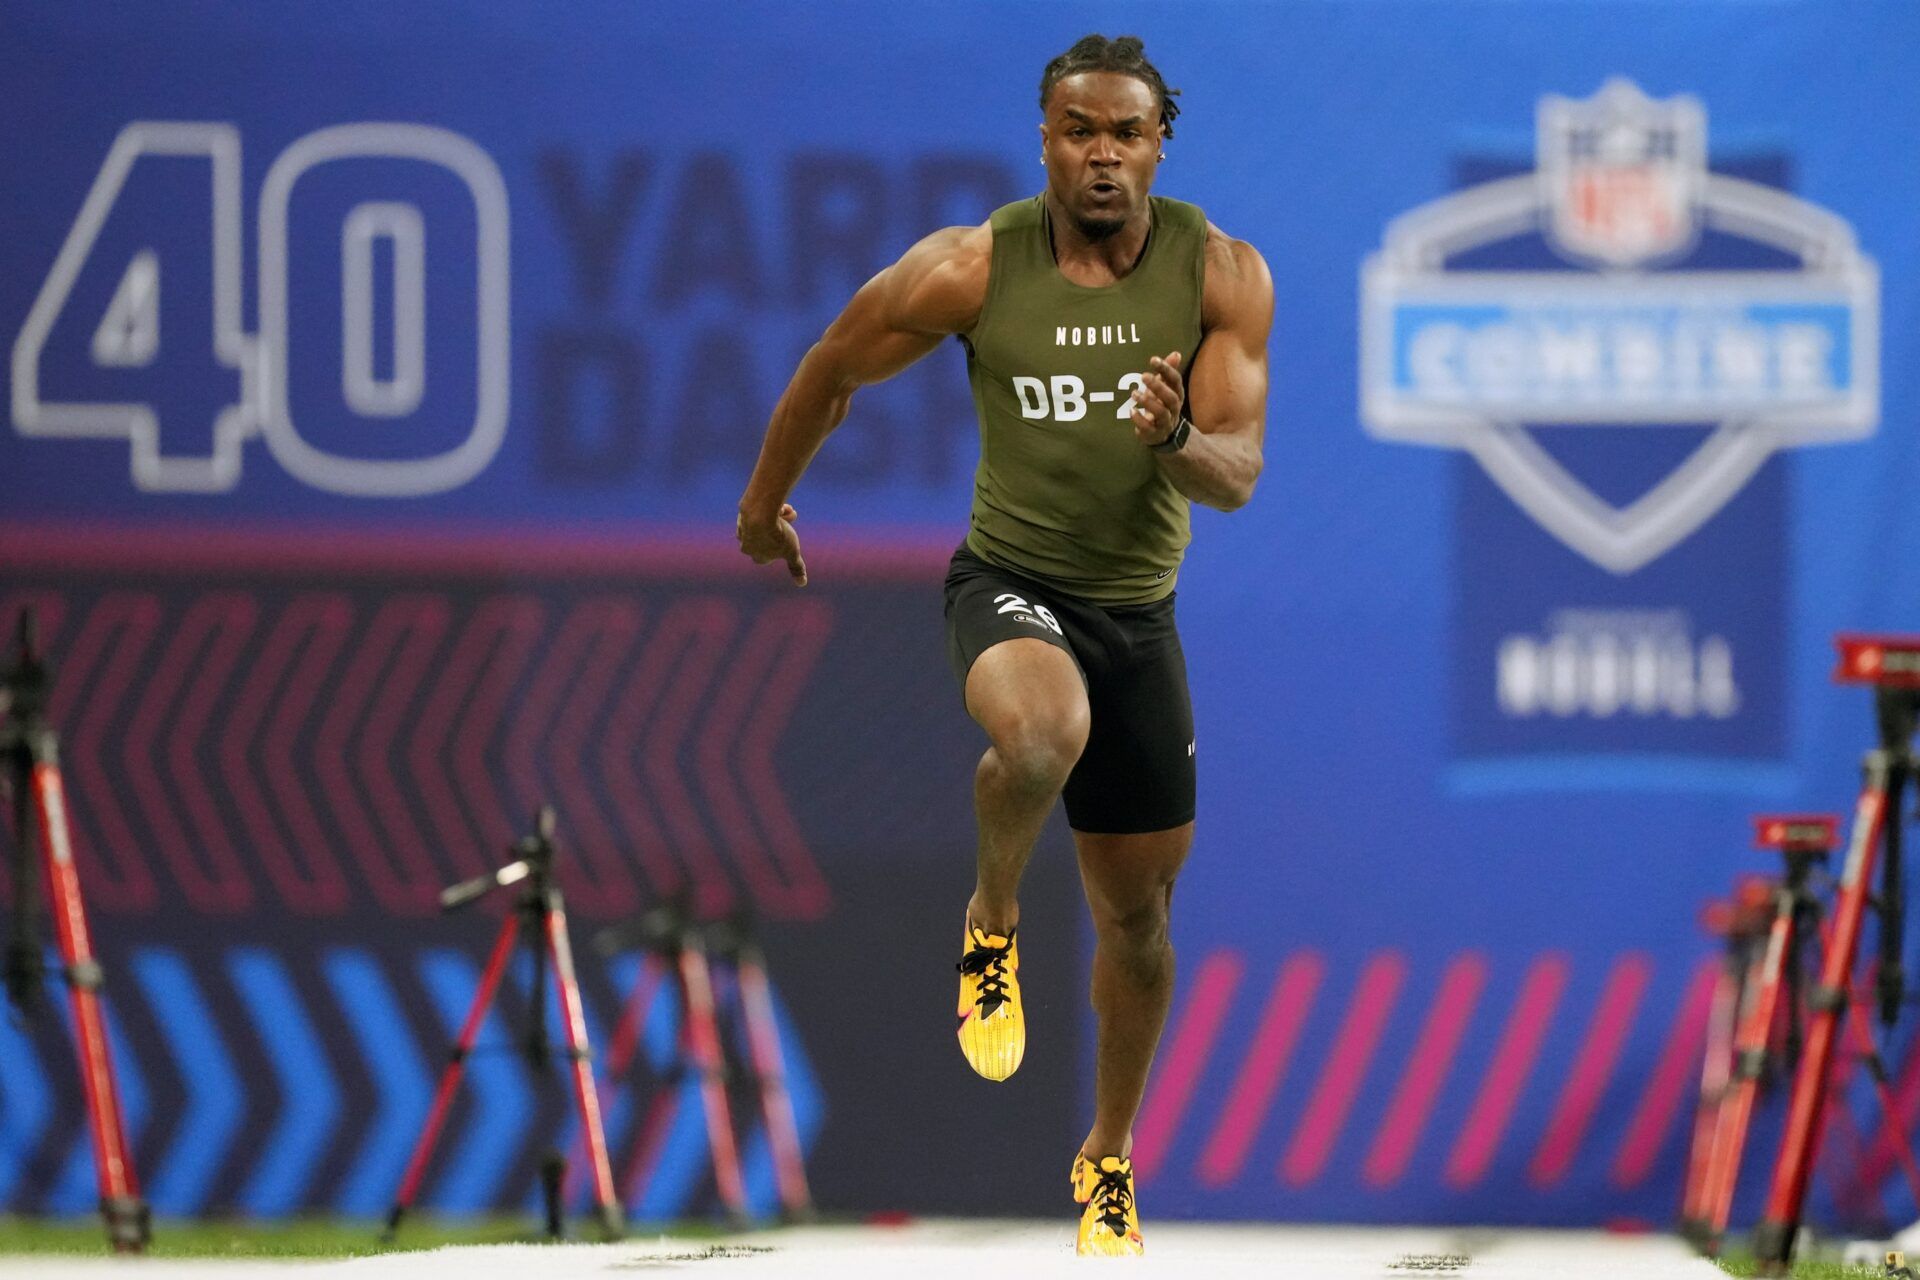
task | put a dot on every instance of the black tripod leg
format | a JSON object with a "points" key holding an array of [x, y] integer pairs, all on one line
{"points": [[25, 968], [1890, 982], [1806, 925], [553, 1176]]}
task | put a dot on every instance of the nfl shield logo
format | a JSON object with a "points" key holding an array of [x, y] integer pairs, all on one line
{"points": [[1655, 332], [1622, 173]]}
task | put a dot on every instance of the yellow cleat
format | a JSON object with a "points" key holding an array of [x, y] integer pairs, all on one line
{"points": [[993, 1029], [1110, 1225]]}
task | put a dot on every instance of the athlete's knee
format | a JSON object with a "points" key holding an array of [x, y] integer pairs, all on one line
{"points": [[1134, 935], [1037, 750], [1038, 732], [1140, 924], [1029, 698]]}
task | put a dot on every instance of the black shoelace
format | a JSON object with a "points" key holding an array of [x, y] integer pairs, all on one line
{"points": [[989, 964], [1114, 1194]]}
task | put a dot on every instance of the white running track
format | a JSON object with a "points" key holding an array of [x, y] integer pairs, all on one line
{"points": [[984, 1250]]}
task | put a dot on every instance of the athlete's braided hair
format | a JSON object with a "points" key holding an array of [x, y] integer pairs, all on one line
{"points": [[1122, 54]]}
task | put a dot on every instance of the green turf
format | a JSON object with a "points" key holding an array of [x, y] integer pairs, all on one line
{"points": [[1744, 1266], [288, 1238], [335, 1238]]}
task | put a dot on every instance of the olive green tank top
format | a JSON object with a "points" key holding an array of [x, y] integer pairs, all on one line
{"points": [[1064, 492]]}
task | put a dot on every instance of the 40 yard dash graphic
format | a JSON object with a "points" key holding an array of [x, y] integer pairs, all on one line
{"points": [[378, 365]]}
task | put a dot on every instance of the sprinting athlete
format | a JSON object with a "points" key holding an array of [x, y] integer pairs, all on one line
{"points": [[1116, 344]]}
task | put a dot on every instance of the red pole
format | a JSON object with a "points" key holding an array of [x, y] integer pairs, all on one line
{"points": [[769, 1064], [703, 1040], [112, 1161], [633, 1019], [1750, 1055], [646, 1151], [1715, 1075], [1773, 1240], [456, 1067], [622, 1046], [585, 1092]]}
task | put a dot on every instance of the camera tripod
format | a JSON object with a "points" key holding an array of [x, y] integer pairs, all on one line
{"points": [[1744, 922], [540, 918], [1891, 665], [1764, 964], [692, 956], [31, 750]]}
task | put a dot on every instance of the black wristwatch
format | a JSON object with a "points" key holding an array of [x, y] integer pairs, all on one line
{"points": [[1177, 439]]}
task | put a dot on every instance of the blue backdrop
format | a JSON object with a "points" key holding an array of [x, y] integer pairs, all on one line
{"points": [[1589, 425]]}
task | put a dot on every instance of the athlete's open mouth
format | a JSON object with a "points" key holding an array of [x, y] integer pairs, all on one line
{"points": [[1105, 188]]}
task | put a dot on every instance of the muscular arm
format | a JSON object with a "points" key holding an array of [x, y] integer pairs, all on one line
{"points": [[900, 315], [1225, 382]]}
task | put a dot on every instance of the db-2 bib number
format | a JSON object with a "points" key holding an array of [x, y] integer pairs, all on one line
{"points": [[1065, 398]]}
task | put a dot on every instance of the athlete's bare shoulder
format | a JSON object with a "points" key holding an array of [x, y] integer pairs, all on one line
{"points": [[940, 285], [1238, 287]]}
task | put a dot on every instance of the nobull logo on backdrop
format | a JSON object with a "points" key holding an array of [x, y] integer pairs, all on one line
{"points": [[1621, 337]]}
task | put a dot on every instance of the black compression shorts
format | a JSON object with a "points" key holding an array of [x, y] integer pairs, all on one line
{"points": [[1137, 773]]}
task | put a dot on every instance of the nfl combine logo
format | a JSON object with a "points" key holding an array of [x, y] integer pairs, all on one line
{"points": [[1623, 326], [1622, 174]]}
